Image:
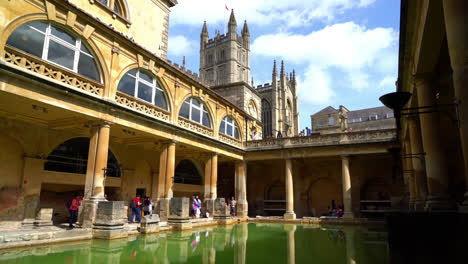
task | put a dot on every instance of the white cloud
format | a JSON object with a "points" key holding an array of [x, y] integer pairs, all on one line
{"points": [[359, 53], [388, 82], [180, 45], [290, 13]]}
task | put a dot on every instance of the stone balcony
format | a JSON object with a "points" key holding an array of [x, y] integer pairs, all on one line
{"points": [[350, 138]]}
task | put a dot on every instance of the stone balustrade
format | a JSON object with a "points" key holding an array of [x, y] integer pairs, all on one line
{"points": [[361, 137]]}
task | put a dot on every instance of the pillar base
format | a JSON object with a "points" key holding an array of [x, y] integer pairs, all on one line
{"points": [[348, 215], [163, 206], [208, 205], [289, 216], [242, 209], [88, 213], [439, 203]]}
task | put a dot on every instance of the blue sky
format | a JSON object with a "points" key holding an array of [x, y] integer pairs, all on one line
{"points": [[344, 51]]}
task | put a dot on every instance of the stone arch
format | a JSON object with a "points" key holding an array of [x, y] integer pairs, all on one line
{"points": [[275, 191], [71, 156], [100, 60], [320, 194], [187, 172]]}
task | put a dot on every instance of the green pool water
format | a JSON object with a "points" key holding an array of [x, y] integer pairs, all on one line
{"points": [[241, 243]]}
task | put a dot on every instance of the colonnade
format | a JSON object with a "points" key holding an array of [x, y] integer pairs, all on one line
{"points": [[346, 186], [162, 183], [429, 190]]}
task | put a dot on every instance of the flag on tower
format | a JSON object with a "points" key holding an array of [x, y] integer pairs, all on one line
{"points": [[226, 7]]}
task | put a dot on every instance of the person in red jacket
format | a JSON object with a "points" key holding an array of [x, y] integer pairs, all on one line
{"points": [[76, 202]]}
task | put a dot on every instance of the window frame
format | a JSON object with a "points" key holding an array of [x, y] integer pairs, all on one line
{"points": [[155, 86], [110, 7], [48, 36], [201, 108], [232, 124]]}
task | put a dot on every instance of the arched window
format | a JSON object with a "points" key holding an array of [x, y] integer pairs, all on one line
{"points": [[229, 127], [195, 110], [288, 112], [253, 109], [53, 44], [266, 118], [142, 85], [187, 173], [115, 5], [72, 156]]}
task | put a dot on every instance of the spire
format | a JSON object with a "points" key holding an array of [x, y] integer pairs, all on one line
{"points": [[275, 73], [282, 68], [252, 83], [294, 76], [245, 30], [183, 63], [204, 29], [232, 19]]}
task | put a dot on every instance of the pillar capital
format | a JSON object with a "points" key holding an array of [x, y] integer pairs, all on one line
{"points": [[169, 142], [100, 123]]}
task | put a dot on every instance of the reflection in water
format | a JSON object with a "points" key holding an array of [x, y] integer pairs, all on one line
{"points": [[238, 244]]}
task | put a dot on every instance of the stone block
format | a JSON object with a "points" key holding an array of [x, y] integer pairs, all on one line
{"points": [[149, 224], [179, 207], [242, 209], [88, 213], [44, 217], [208, 205], [289, 216], [163, 209], [108, 222], [109, 234], [221, 210]]}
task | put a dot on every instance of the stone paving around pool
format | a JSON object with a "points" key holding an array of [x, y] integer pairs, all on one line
{"points": [[32, 236]]}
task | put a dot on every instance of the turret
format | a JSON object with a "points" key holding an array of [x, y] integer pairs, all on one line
{"points": [[246, 35], [232, 26], [204, 36], [282, 74], [274, 76]]}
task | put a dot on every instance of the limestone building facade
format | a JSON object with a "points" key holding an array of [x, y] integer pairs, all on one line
{"points": [[225, 68], [89, 104]]}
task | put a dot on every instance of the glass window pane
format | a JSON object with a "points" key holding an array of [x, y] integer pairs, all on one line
{"points": [[236, 133], [117, 8], [87, 67], [196, 115], [61, 55], [222, 127], [160, 100], [146, 77], [195, 102], [104, 2], [229, 130], [63, 35], [145, 92], [184, 110], [127, 85], [132, 72], [27, 40], [83, 48], [206, 119], [41, 26]]}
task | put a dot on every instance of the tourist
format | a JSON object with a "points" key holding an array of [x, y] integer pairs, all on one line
{"points": [[76, 202], [194, 206], [135, 206], [207, 214], [340, 212], [255, 135], [279, 135], [105, 197], [197, 213], [148, 206], [233, 206], [308, 132]]}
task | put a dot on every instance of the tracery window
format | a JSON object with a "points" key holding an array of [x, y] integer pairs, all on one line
{"points": [[195, 110], [253, 109], [53, 44], [144, 86], [229, 127], [266, 118]]}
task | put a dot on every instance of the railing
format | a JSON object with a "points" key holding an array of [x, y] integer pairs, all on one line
{"points": [[141, 106], [229, 140], [190, 125], [37, 65], [361, 137]]}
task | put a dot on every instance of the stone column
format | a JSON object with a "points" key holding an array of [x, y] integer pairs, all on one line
{"points": [[419, 171], [456, 26], [214, 176], [346, 179], [289, 191], [170, 167], [350, 246], [291, 229], [241, 193], [436, 165], [409, 175], [240, 250], [94, 182], [207, 183]]}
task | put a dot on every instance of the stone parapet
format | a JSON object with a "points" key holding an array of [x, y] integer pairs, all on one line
{"points": [[44, 217]]}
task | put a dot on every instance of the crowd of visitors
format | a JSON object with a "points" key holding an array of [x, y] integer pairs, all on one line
{"points": [[334, 210]]}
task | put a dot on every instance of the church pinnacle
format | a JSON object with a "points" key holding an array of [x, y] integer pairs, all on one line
{"points": [[245, 30], [282, 69], [204, 29], [232, 19], [275, 72]]}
